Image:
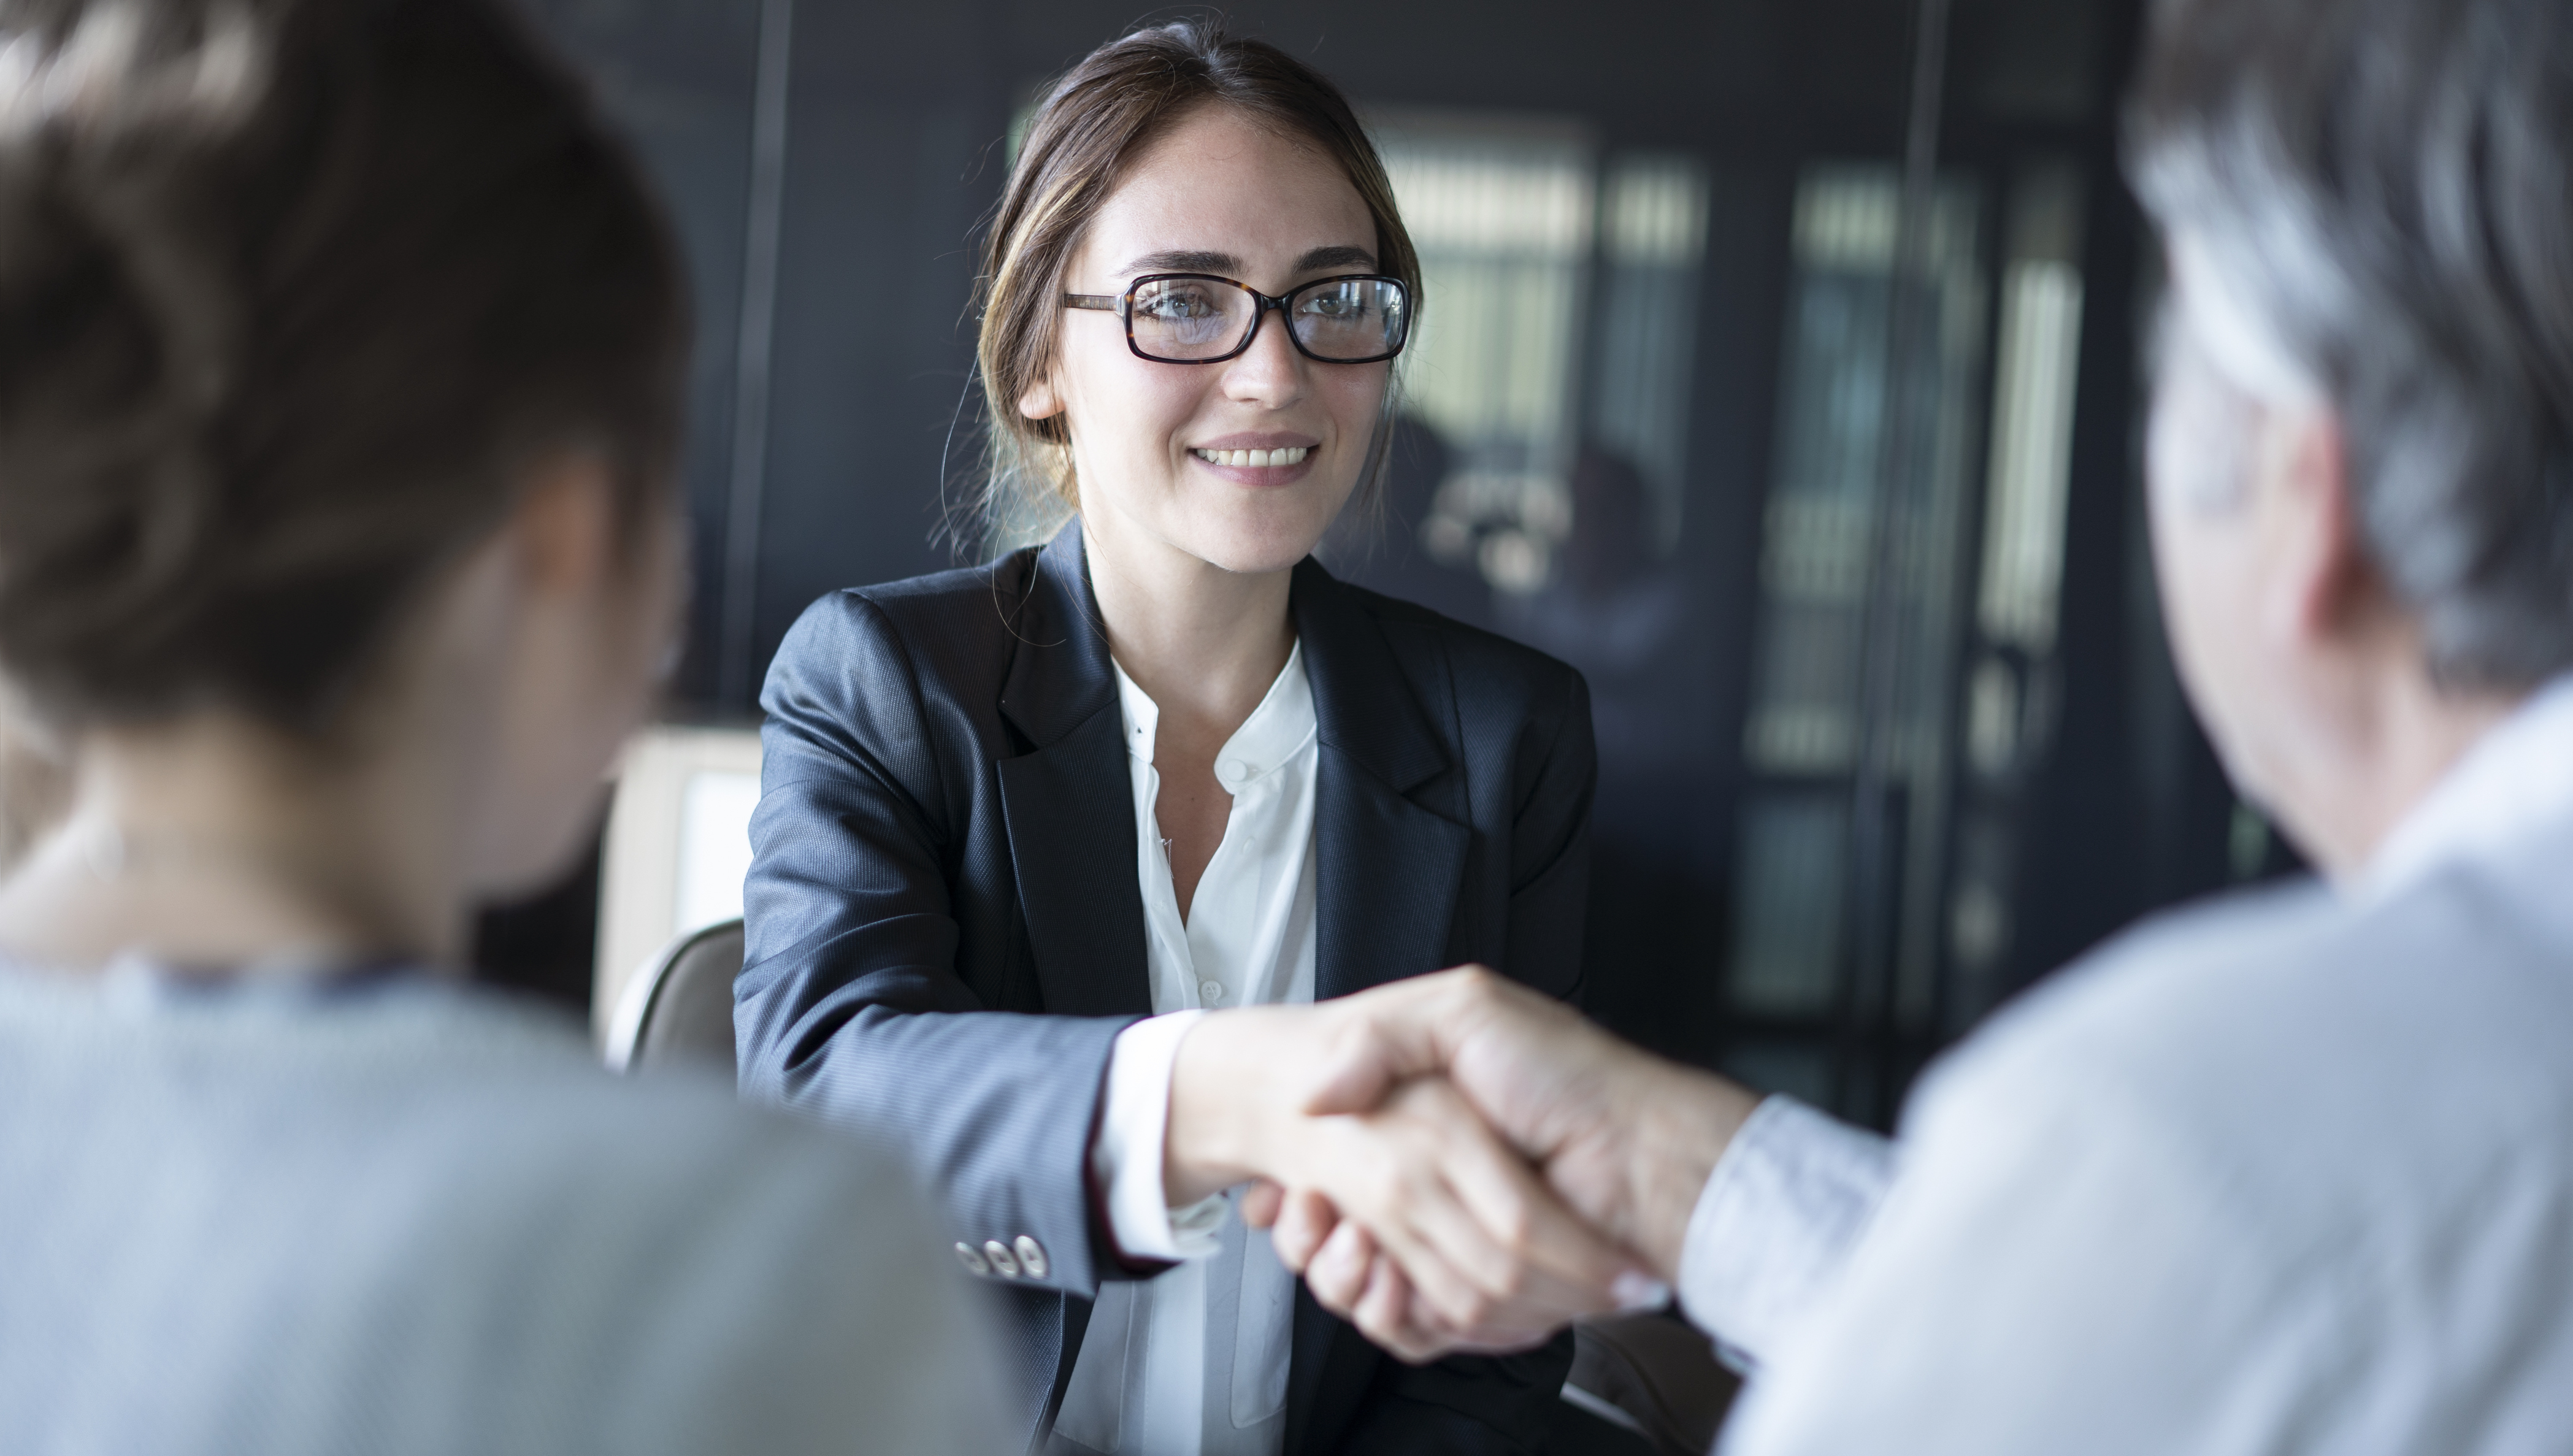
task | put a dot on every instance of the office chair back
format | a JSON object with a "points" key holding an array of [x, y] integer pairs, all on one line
{"points": [[678, 1010]]}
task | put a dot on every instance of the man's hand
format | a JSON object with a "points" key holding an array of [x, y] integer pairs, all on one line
{"points": [[1627, 1138], [1482, 1243]]}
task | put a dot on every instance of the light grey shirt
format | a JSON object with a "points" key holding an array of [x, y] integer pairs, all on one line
{"points": [[403, 1217], [2290, 1173]]}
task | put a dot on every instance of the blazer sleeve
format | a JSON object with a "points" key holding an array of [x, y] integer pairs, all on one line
{"points": [[849, 1006], [1502, 1405]]}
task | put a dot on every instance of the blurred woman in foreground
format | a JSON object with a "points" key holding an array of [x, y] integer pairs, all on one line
{"points": [[340, 354]]}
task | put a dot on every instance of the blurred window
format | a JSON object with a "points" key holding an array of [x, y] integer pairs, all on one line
{"points": [[1792, 897], [1503, 212], [1652, 248], [2009, 690], [1538, 261], [2031, 431], [1865, 520]]}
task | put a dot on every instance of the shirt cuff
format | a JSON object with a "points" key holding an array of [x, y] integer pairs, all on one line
{"points": [[1127, 1157], [1775, 1221]]}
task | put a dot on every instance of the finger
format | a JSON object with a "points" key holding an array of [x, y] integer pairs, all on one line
{"points": [[1460, 1342], [1393, 1186], [1383, 1172], [1555, 1259], [1376, 1175], [1259, 1202], [1340, 1272], [1478, 1297], [1307, 1219], [1532, 1264], [1382, 1316]]}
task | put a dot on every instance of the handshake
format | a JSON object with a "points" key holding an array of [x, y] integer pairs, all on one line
{"points": [[1455, 1164]]}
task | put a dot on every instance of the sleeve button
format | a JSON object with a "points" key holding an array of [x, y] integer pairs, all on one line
{"points": [[972, 1258], [1004, 1264], [1032, 1256]]}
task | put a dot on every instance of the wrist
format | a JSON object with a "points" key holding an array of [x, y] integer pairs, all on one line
{"points": [[1206, 1144], [1683, 1120]]}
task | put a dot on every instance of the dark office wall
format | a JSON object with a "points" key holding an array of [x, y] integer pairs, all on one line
{"points": [[894, 120], [894, 152], [678, 75]]}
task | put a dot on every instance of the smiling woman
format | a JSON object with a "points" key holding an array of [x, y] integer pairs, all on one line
{"points": [[1048, 849]]}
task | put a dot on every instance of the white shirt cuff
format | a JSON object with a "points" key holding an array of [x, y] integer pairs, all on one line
{"points": [[1775, 1221], [1127, 1157]]}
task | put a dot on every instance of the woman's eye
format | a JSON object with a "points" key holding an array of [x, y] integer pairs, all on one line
{"points": [[1180, 308]]}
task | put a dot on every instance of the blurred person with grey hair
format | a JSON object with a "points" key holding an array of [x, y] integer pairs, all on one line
{"points": [[2288, 1173], [340, 352]]}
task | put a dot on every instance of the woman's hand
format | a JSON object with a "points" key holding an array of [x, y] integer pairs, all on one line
{"points": [[1624, 1140], [1468, 1231]]}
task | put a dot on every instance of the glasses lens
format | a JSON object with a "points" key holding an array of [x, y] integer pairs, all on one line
{"points": [[1352, 318], [1189, 318]]}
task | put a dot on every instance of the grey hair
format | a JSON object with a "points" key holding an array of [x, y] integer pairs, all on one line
{"points": [[2385, 188]]}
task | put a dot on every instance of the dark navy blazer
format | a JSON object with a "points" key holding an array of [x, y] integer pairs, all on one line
{"points": [[946, 934]]}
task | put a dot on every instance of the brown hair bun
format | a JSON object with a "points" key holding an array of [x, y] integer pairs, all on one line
{"points": [[287, 291]]}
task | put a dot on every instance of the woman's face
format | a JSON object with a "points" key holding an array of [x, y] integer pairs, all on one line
{"points": [[579, 663], [1154, 444]]}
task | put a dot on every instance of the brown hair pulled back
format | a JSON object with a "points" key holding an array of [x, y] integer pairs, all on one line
{"points": [[1104, 114], [290, 292]]}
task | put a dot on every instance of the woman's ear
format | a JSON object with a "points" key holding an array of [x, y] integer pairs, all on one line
{"points": [[1041, 402], [565, 525]]}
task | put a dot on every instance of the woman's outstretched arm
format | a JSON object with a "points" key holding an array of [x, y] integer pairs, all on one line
{"points": [[853, 939]]}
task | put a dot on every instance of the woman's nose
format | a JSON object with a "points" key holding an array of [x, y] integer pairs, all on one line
{"points": [[1271, 372]]}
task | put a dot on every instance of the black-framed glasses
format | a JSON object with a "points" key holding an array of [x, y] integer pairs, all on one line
{"points": [[1200, 318]]}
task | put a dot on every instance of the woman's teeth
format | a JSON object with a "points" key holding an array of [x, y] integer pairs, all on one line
{"points": [[1291, 455]]}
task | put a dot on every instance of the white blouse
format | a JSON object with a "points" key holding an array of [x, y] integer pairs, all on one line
{"points": [[1194, 1362]]}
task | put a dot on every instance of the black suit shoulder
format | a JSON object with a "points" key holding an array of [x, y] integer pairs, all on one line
{"points": [[1000, 583], [1492, 677], [881, 681], [1487, 656], [960, 626]]}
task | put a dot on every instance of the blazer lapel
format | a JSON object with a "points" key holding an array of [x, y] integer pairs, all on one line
{"points": [[1068, 805], [1390, 866]]}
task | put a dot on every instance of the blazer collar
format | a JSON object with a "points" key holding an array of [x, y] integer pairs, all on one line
{"points": [[1363, 705], [1061, 675], [1392, 866], [1066, 802]]}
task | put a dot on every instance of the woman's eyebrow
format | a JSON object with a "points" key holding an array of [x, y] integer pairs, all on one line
{"points": [[1185, 260], [1342, 257]]}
